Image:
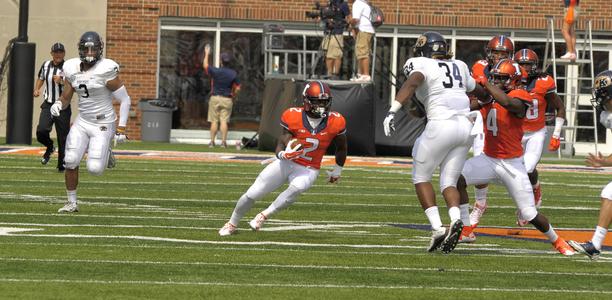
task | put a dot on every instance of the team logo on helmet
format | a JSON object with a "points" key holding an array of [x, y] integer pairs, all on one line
{"points": [[602, 90]]}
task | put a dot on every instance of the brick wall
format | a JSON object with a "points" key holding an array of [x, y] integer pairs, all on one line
{"points": [[132, 24]]}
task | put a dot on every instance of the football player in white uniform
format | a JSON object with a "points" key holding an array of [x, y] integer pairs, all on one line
{"points": [[95, 79], [602, 92], [440, 83]]}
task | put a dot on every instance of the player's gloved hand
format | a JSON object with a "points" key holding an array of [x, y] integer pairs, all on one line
{"points": [[334, 175], [291, 152], [120, 136], [56, 108], [482, 80], [389, 123], [554, 144]]}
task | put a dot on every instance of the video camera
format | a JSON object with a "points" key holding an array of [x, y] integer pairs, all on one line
{"points": [[331, 11]]}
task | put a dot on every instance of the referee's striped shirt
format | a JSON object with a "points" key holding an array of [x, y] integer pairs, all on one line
{"points": [[52, 90]]}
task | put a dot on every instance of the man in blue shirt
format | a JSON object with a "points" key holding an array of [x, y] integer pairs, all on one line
{"points": [[225, 86]]}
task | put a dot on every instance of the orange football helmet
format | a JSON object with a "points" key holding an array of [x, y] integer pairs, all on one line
{"points": [[317, 99], [527, 57], [499, 47], [506, 74]]}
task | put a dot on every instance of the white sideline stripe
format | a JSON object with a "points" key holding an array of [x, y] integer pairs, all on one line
{"points": [[517, 253], [317, 267], [174, 240], [289, 285], [11, 196]]}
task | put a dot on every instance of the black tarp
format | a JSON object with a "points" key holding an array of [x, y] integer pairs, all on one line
{"points": [[358, 103]]}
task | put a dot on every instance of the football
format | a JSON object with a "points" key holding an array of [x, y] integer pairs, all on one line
{"points": [[295, 145]]}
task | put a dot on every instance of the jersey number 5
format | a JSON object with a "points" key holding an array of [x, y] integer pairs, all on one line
{"points": [[456, 74]]}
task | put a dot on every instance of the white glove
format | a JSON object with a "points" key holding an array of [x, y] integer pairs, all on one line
{"points": [[292, 151], [120, 137], [389, 123], [56, 108], [334, 175]]}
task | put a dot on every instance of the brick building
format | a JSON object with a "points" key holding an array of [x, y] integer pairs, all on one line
{"points": [[159, 43]]}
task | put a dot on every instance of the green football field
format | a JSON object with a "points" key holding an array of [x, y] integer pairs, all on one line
{"points": [[148, 229]]}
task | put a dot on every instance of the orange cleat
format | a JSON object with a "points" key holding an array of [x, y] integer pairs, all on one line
{"points": [[563, 247]]}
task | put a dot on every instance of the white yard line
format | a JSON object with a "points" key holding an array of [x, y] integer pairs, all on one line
{"points": [[294, 266], [289, 285]]}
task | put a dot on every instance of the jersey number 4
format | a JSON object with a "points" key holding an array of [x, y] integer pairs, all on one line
{"points": [[456, 75], [492, 121]]}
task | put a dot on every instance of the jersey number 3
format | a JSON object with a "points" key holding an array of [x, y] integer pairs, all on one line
{"points": [[456, 75], [86, 91]]}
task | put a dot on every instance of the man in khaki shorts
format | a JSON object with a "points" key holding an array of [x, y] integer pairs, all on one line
{"points": [[333, 42], [363, 31], [226, 86]]}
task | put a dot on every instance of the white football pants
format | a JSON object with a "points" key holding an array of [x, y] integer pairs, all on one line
{"points": [[93, 138], [533, 142], [444, 143]]}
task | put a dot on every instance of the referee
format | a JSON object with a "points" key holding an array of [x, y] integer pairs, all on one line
{"points": [[51, 75]]}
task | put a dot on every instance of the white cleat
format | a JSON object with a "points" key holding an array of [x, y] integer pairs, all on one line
{"points": [[258, 221], [69, 208], [227, 229], [476, 214], [437, 237], [452, 237]]}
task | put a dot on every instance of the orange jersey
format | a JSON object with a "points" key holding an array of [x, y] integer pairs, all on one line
{"points": [[481, 69], [538, 88], [314, 140], [503, 130]]}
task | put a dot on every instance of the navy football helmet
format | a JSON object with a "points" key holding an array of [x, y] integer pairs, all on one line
{"points": [[602, 90], [431, 44], [90, 47]]}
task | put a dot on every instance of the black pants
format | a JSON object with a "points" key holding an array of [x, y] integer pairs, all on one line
{"points": [[62, 127]]}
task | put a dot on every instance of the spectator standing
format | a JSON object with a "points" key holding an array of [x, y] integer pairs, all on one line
{"points": [[572, 11], [362, 31], [333, 42], [51, 75], [225, 86]]}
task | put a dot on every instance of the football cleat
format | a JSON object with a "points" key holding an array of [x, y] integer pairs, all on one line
{"points": [[47, 155], [467, 235], [587, 248], [563, 247], [258, 221], [452, 238], [69, 208], [477, 213], [227, 229], [437, 237]]}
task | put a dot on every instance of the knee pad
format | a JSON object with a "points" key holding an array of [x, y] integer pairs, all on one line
{"points": [[71, 159], [95, 167], [529, 213]]}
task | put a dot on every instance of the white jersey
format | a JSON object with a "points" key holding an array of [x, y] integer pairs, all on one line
{"points": [[443, 93], [95, 99]]}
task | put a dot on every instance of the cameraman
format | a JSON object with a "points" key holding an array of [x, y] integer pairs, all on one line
{"points": [[335, 21]]}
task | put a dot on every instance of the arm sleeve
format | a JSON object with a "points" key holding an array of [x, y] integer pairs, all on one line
{"points": [[124, 109]]}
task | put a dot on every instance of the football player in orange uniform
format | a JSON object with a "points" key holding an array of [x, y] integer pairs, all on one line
{"points": [[502, 159], [307, 133], [499, 47], [543, 90]]}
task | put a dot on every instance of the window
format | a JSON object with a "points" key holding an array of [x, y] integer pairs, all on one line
{"points": [[470, 51]]}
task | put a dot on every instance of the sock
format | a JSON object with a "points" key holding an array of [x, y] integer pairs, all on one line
{"points": [[72, 196], [244, 204], [465, 214], [434, 217], [454, 213], [282, 201], [598, 236], [481, 195], [551, 234]]}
